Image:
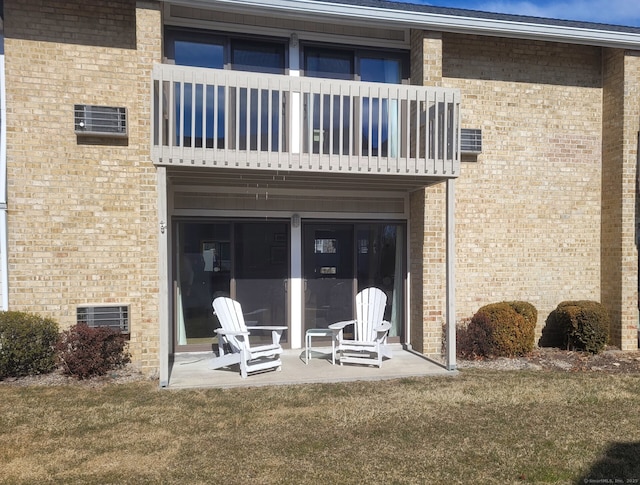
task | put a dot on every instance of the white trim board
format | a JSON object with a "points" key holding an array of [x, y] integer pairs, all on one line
{"points": [[359, 14]]}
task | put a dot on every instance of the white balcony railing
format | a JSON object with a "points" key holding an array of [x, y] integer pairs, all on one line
{"points": [[235, 119]]}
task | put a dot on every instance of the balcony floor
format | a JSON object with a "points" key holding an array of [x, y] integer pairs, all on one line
{"points": [[190, 370]]}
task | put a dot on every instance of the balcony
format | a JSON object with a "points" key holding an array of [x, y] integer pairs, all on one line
{"points": [[243, 120]]}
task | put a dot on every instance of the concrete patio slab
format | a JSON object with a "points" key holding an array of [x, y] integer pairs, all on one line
{"points": [[190, 370]]}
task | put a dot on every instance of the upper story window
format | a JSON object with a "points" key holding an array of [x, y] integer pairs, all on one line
{"points": [[356, 64], [204, 49], [251, 55]]}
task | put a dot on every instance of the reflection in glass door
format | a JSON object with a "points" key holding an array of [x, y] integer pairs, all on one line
{"points": [[247, 261], [328, 274], [341, 259], [260, 274], [380, 263]]}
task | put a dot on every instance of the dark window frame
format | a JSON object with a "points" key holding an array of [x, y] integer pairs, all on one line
{"points": [[173, 34], [357, 54]]}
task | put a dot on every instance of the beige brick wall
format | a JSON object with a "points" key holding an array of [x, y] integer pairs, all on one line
{"points": [[428, 221], [619, 203], [82, 213], [528, 210]]}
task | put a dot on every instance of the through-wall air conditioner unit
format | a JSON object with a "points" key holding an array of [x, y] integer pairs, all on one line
{"points": [[114, 317], [100, 120], [470, 141]]}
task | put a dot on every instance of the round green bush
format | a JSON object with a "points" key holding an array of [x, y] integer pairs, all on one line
{"points": [[27, 344], [584, 325], [503, 329]]}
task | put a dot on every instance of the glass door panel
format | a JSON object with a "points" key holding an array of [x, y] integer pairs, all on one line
{"points": [[247, 261], [329, 274], [380, 263], [261, 272], [203, 269]]}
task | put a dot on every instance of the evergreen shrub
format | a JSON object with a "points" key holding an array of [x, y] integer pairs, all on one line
{"points": [[504, 329], [27, 344], [582, 324]]}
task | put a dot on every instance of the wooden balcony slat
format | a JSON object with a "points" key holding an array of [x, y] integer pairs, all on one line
{"points": [[275, 122]]}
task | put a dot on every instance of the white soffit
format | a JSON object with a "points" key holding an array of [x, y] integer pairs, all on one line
{"points": [[311, 9]]}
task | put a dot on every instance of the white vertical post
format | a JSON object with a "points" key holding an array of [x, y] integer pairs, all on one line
{"points": [[295, 284], [163, 277], [407, 297], [294, 71], [451, 279]]}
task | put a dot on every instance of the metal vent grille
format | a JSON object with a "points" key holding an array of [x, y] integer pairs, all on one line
{"points": [[100, 120], [114, 317], [470, 141]]}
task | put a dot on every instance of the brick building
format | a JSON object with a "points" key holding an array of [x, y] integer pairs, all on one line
{"points": [[291, 152]]}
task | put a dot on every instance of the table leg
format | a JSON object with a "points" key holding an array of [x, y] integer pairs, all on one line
{"points": [[333, 350]]}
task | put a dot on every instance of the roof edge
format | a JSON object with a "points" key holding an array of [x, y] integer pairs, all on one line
{"points": [[558, 31]]}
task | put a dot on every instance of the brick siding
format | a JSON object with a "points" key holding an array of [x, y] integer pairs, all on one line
{"points": [[82, 213]]}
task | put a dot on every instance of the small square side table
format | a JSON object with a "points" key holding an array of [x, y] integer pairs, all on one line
{"points": [[320, 332]]}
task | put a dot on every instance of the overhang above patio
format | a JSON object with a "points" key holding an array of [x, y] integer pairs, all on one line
{"points": [[258, 182]]}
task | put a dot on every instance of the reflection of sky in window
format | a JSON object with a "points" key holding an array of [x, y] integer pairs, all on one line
{"points": [[385, 71], [198, 54], [269, 58], [330, 65], [380, 70], [259, 58]]}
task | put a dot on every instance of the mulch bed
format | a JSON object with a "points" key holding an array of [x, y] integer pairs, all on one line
{"points": [[611, 360]]}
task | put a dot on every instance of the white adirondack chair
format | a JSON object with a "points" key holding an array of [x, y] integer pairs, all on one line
{"points": [[235, 334], [369, 344]]}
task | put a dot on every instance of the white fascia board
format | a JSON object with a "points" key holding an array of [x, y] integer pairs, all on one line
{"points": [[306, 9]]}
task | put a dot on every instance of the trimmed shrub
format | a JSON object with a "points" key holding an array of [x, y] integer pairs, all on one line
{"points": [[553, 333], [86, 352], [527, 310], [503, 329], [27, 344], [583, 325]]}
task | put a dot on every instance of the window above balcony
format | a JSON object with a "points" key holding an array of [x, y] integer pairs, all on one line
{"points": [[216, 51], [199, 48], [381, 66], [299, 107]]}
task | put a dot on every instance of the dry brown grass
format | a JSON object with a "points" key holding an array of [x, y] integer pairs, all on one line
{"points": [[480, 427]]}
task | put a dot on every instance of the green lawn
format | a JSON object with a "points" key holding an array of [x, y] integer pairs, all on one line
{"points": [[479, 427]]}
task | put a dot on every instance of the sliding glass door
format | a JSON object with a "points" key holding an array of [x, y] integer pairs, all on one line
{"points": [[245, 260], [341, 259], [328, 274], [249, 261]]}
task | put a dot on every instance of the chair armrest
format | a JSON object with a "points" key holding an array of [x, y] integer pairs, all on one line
{"points": [[341, 325], [276, 332], [222, 331], [384, 327], [266, 327]]}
